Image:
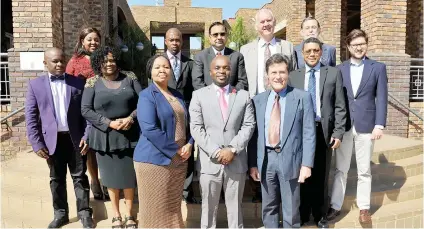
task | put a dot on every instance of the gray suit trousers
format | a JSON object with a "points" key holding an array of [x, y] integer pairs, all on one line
{"points": [[276, 191], [211, 185]]}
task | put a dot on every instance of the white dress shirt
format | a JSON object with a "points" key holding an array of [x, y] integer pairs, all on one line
{"points": [[173, 58], [218, 92], [261, 61], [216, 51], [317, 91], [356, 71], [61, 103]]}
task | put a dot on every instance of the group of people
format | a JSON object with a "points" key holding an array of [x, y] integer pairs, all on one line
{"points": [[273, 110]]}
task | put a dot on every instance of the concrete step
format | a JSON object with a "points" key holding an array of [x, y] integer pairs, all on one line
{"points": [[392, 148]]}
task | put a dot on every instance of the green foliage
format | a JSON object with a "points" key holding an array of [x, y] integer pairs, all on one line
{"points": [[239, 34]]}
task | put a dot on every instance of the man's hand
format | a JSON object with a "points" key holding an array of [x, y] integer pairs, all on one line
{"points": [[254, 173], [43, 153], [336, 143], [377, 134], [226, 156], [305, 172], [83, 146]]}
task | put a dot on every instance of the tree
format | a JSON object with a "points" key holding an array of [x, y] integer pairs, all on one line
{"points": [[239, 35]]}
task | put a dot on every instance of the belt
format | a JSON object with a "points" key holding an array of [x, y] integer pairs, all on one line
{"points": [[62, 132], [276, 149]]}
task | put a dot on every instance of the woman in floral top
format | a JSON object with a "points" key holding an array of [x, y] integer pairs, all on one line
{"points": [[79, 66]]}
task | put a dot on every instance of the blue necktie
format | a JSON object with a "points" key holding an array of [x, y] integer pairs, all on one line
{"points": [[53, 77], [312, 88], [176, 68]]}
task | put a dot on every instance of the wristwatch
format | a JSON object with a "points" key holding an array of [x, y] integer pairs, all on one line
{"points": [[233, 150]]}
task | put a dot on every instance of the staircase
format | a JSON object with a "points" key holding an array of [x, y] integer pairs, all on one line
{"points": [[397, 193]]}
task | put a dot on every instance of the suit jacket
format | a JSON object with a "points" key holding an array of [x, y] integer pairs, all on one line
{"points": [[202, 61], [40, 114], [298, 137], [333, 104], [211, 132], [157, 123], [369, 106], [184, 84], [328, 56], [250, 53]]}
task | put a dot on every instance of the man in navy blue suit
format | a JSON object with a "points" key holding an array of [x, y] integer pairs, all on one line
{"points": [[365, 81], [310, 27]]}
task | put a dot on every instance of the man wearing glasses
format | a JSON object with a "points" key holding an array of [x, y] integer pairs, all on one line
{"points": [[218, 38], [365, 81], [310, 27], [325, 84]]}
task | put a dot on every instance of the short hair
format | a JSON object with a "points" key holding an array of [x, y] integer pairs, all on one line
{"points": [[309, 19], [83, 33], [151, 61], [277, 59], [217, 23], [312, 40], [355, 34], [97, 58], [267, 11]]}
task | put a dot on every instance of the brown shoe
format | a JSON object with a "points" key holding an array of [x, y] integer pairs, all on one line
{"points": [[364, 216]]}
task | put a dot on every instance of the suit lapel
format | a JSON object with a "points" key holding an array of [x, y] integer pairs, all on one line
{"points": [[231, 100], [215, 103], [49, 93], [183, 67], [365, 76], [261, 111], [322, 78], [254, 65], [290, 111], [300, 79]]}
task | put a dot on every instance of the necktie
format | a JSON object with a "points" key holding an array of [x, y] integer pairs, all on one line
{"points": [[223, 103], [54, 78], [218, 53], [312, 88], [274, 123], [176, 68], [267, 55]]}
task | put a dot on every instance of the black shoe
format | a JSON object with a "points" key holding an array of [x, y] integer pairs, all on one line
{"points": [[192, 200], [332, 214], [87, 222], [323, 223], [59, 222]]}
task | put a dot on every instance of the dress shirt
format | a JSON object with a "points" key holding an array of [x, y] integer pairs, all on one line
{"points": [[61, 103], [318, 92], [173, 58], [269, 105], [261, 61], [216, 51], [226, 97]]}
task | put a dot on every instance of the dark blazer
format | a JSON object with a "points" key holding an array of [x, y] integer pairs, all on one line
{"points": [[41, 118], [157, 122], [328, 56], [369, 106], [332, 97], [202, 61], [184, 84]]}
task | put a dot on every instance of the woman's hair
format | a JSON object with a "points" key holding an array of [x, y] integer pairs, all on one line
{"points": [[150, 62], [97, 58], [79, 50]]}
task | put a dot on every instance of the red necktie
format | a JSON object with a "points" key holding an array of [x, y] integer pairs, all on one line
{"points": [[223, 103], [274, 123]]}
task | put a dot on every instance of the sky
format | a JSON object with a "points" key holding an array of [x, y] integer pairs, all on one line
{"points": [[229, 9]]}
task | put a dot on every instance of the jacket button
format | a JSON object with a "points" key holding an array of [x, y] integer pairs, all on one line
{"points": [[354, 100]]}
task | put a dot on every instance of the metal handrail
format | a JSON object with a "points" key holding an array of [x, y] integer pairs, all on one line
{"points": [[12, 114], [406, 107]]}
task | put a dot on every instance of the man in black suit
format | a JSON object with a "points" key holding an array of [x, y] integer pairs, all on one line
{"points": [[181, 81], [325, 84], [218, 38]]}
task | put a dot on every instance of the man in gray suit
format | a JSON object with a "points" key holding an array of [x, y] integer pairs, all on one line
{"points": [[325, 84], [281, 151], [222, 123], [310, 28], [258, 51], [218, 38]]}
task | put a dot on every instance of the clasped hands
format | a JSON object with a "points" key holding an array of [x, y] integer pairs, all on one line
{"points": [[122, 123], [185, 151], [225, 156]]}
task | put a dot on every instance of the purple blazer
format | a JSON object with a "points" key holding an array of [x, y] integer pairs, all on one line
{"points": [[41, 118]]}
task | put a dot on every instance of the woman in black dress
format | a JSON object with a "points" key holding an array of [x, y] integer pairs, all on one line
{"points": [[109, 103]]}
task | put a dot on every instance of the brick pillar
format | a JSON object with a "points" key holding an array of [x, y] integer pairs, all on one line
{"points": [[329, 15], [296, 17], [387, 45]]}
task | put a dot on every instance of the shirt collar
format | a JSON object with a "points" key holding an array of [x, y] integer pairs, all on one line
{"points": [[316, 68], [227, 88], [262, 42], [216, 51], [171, 56], [282, 93], [357, 65], [50, 75]]}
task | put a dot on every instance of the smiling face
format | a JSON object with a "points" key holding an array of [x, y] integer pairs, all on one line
{"points": [[358, 47], [278, 76], [109, 65], [311, 53], [91, 42], [265, 24], [218, 37], [161, 71], [220, 71], [54, 61]]}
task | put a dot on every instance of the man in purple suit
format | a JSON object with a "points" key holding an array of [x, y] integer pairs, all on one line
{"points": [[58, 132], [365, 81]]}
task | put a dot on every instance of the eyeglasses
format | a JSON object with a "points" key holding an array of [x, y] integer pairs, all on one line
{"points": [[216, 34], [358, 45], [309, 51]]}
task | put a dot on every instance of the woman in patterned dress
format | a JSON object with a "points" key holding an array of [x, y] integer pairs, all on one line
{"points": [[162, 150]]}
